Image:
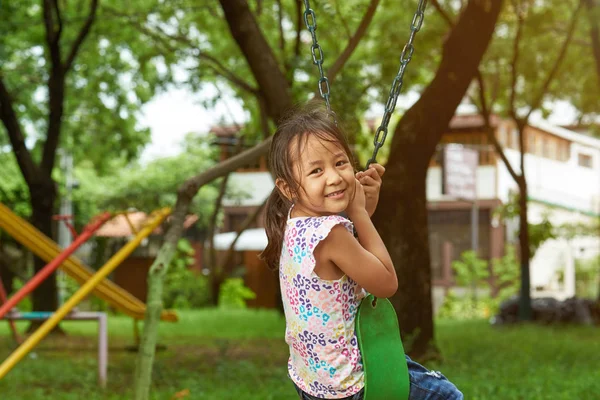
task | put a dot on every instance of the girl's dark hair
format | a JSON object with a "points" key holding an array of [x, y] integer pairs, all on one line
{"points": [[287, 144]]}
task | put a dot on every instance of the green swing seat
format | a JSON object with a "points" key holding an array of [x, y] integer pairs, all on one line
{"points": [[384, 363]]}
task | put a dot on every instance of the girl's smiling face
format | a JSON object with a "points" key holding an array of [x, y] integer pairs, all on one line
{"points": [[326, 178]]}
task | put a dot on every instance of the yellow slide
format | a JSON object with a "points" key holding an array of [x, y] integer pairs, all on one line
{"points": [[46, 249]]}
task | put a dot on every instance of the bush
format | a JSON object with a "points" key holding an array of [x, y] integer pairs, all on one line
{"points": [[184, 288], [507, 275], [472, 272], [233, 294], [586, 277], [462, 307]]}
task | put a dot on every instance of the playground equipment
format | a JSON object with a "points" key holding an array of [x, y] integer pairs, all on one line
{"points": [[46, 249], [77, 316], [45, 272], [84, 291]]}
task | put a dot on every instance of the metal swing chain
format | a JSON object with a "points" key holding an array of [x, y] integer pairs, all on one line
{"points": [[310, 19], [405, 58]]}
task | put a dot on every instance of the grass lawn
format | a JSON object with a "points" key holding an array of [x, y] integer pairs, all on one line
{"points": [[241, 355]]}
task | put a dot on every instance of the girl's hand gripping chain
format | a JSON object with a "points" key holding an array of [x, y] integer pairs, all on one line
{"points": [[371, 182], [357, 205]]}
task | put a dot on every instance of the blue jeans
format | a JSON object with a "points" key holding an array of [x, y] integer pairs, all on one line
{"points": [[424, 385]]}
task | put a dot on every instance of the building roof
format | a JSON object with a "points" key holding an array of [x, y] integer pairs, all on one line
{"points": [[572, 136], [226, 130], [120, 227], [250, 239], [471, 121], [474, 120], [247, 189]]}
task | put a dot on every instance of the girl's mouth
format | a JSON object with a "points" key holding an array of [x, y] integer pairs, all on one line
{"points": [[336, 195]]}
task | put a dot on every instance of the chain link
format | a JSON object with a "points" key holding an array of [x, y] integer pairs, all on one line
{"points": [[405, 57], [310, 19]]}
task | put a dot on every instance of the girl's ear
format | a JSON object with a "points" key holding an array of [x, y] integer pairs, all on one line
{"points": [[283, 188]]}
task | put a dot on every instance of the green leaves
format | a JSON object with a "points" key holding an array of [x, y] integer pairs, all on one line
{"points": [[148, 187], [233, 294], [13, 190], [544, 31], [470, 269]]}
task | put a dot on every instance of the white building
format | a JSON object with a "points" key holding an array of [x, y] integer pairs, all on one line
{"points": [[562, 168]]}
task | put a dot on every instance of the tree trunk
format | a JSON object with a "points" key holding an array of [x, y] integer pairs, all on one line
{"points": [[145, 359], [45, 296], [401, 217], [525, 294]]}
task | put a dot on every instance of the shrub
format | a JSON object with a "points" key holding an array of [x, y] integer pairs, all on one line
{"points": [[233, 294], [586, 277], [184, 288]]}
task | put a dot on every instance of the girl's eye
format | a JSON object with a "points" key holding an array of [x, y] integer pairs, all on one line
{"points": [[315, 171], [340, 163]]}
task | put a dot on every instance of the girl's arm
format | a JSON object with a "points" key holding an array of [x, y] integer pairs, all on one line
{"points": [[366, 261]]}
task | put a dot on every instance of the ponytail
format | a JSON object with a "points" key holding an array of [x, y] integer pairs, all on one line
{"points": [[276, 217]]}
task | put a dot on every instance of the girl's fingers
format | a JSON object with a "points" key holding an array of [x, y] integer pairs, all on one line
{"points": [[379, 168], [368, 181], [375, 171]]}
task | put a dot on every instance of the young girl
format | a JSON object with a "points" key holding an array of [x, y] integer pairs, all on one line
{"points": [[324, 270]]}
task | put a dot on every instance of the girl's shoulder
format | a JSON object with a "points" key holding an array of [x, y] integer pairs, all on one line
{"points": [[316, 228]]}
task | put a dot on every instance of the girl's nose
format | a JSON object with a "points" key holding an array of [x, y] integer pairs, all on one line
{"points": [[334, 178]]}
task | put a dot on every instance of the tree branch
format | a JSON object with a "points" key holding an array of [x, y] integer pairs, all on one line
{"points": [[85, 30], [161, 37], [559, 59], [164, 38], [212, 225], [280, 25], [192, 185], [485, 113], [15, 135], [58, 18], [496, 84], [514, 61], [445, 16], [299, 25], [52, 36], [245, 225], [220, 69], [259, 55]]}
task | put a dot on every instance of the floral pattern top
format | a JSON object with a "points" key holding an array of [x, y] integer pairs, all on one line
{"points": [[324, 358]]}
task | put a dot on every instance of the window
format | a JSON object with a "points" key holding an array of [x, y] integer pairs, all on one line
{"points": [[553, 149], [564, 151], [584, 160], [539, 146], [531, 139]]}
